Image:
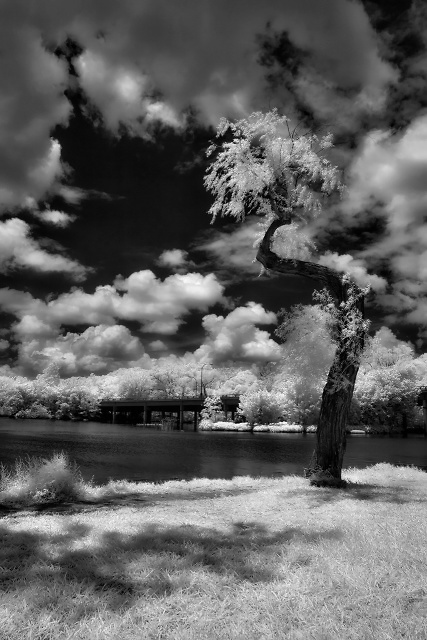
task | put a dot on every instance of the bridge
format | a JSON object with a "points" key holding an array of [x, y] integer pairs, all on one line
{"points": [[140, 411]]}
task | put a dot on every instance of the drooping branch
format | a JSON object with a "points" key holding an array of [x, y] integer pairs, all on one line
{"points": [[290, 266]]}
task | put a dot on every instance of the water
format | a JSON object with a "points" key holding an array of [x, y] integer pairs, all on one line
{"points": [[105, 451]]}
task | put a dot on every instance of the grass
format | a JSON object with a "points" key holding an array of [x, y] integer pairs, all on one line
{"points": [[39, 481], [246, 559]]}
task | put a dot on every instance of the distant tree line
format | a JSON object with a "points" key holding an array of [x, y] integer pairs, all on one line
{"points": [[290, 389]]}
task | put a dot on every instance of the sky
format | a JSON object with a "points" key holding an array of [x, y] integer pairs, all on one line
{"points": [[108, 257]]}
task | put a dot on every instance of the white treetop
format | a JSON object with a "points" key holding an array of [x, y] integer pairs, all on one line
{"points": [[268, 169]]}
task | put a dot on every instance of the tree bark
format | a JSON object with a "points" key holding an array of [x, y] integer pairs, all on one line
{"points": [[331, 436], [326, 463]]}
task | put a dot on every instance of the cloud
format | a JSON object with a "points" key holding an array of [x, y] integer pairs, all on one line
{"points": [[175, 259], [236, 336], [144, 61], [345, 76], [157, 305], [385, 337], [157, 345], [74, 195], [233, 249], [347, 264], [19, 250], [391, 169], [134, 51], [99, 349], [55, 218], [388, 179], [32, 103], [120, 93]]}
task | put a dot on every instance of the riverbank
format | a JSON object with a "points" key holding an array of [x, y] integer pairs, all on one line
{"points": [[217, 559], [287, 427], [280, 427]]}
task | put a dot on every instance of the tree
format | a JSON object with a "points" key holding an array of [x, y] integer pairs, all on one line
{"points": [[261, 167], [212, 409], [308, 352], [260, 406], [386, 388]]}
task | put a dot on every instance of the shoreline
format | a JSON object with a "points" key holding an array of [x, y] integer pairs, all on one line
{"points": [[285, 427]]}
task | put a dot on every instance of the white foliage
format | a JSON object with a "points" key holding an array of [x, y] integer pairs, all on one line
{"points": [[268, 170], [212, 410], [260, 406], [386, 386]]}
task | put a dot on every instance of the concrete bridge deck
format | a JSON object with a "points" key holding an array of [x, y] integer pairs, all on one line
{"points": [[139, 411]]}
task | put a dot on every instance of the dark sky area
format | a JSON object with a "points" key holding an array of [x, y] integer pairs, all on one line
{"points": [[107, 255]]}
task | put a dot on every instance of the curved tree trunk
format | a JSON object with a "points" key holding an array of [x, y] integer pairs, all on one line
{"points": [[326, 464]]}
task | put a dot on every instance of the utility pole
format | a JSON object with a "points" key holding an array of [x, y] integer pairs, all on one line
{"points": [[201, 378]]}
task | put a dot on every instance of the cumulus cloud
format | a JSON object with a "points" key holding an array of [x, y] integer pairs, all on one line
{"points": [[99, 349], [347, 264], [385, 337], [157, 305], [175, 259], [18, 249], [237, 337], [157, 345]]}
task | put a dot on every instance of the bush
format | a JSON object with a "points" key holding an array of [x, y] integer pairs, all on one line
{"points": [[40, 480], [206, 425], [281, 427], [212, 410], [35, 411], [260, 406]]}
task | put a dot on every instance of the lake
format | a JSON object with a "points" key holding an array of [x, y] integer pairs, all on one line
{"points": [[105, 451]]}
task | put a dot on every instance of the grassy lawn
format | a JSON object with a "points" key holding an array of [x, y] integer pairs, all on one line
{"points": [[247, 558]]}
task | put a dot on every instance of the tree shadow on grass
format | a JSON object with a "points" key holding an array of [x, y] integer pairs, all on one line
{"points": [[125, 499], [364, 492], [119, 499], [118, 569]]}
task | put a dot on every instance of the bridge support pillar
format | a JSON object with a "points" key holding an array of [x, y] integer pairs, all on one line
{"points": [[181, 418], [196, 426], [113, 416]]}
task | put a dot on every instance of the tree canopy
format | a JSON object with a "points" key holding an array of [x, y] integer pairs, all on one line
{"points": [[261, 166]]}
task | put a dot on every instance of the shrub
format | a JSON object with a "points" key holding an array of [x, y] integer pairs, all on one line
{"points": [[35, 411], [260, 406], [212, 410], [281, 427], [40, 480], [206, 425]]}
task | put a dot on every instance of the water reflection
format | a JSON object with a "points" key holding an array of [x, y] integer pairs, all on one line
{"points": [[105, 451]]}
